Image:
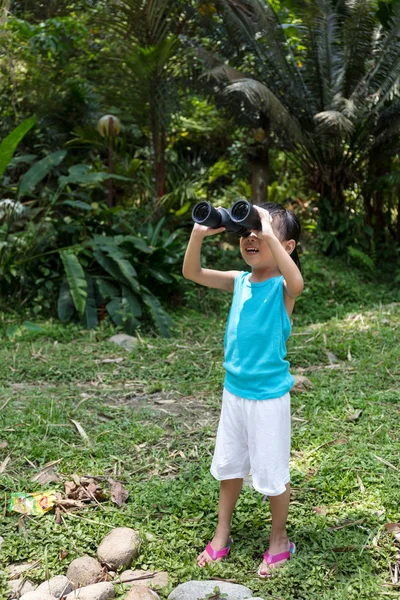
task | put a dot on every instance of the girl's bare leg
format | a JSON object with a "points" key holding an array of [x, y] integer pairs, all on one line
{"points": [[278, 541], [229, 493]]}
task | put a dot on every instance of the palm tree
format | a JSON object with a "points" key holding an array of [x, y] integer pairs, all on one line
{"points": [[143, 78], [331, 94]]}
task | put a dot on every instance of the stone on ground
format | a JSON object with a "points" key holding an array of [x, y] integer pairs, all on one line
{"points": [[37, 596], [197, 590], [119, 547], [97, 591], [84, 571], [140, 592], [125, 341], [56, 586], [20, 587], [159, 580]]}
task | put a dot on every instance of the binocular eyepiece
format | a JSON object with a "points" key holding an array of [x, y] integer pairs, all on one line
{"points": [[241, 218]]}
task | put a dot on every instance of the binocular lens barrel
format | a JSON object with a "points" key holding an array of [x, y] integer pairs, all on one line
{"points": [[240, 219], [205, 214], [244, 213]]}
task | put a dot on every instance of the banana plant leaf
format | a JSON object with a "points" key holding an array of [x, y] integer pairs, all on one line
{"points": [[39, 171], [76, 280], [10, 143]]}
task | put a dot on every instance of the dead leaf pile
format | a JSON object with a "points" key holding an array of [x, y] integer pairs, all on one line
{"points": [[84, 489]]}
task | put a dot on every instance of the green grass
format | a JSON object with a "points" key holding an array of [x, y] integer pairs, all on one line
{"points": [[151, 421]]}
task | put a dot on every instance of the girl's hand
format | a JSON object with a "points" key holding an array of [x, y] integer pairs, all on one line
{"points": [[266, 224], [206, 231]]}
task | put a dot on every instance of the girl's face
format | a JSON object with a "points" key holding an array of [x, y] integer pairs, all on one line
{"points": [[256, 252]]}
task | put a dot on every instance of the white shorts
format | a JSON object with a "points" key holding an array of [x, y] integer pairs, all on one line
{"points": [[254, 437]]}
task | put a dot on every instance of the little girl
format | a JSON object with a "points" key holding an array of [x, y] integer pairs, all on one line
{"points": [[254, 428]]}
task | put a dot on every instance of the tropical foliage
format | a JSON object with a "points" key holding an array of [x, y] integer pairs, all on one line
{"points": [[292, 100], [327, 84]]}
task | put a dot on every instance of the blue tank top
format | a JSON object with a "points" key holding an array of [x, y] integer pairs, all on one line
{"points": [[256, 333]]}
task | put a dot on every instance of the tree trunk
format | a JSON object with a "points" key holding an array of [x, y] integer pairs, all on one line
{"points": [[259, 179], [258, 155], [398, 223], [159, 163]]}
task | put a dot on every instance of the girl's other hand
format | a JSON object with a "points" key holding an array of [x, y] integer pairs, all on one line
{"points": [[267, 230]]}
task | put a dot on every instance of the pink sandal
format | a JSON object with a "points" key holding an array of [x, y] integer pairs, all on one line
{"points": [[270, 559], [216, 554]]}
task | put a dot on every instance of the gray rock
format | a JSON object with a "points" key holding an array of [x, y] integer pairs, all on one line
{"points": [[125, 341], [140, 592], [197, 590], [128, 578], [84, 571], [20, 586], [57, 586], [119, 547], [37, 596], [97, 591]]}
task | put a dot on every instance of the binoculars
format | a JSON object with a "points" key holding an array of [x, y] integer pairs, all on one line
{"points": [[241, 218]]}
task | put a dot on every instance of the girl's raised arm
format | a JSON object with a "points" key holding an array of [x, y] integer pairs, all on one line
{"points": [[192, 269]]}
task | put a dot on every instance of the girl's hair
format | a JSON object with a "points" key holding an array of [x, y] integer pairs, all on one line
{"points": [[288, 225]]}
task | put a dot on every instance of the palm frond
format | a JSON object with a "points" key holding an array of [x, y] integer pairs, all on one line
{"points": [[255, 27], [334, 121], [264, 100], [359, 30]]}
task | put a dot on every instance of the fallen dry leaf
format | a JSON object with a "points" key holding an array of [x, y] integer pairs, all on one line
{"points": [[119, 494], [393, 528], [47, 474], [164, 401], [4, 464], [320, 510], [112, 360], [386, 462], [301, 383], [355, 416], [3, 445], [81, 431]]}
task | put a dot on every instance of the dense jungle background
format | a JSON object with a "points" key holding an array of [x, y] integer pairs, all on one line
{"points": [[116, 118]]}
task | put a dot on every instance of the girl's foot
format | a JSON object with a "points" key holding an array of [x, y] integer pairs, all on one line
{"points": [[278, 553], [220, 542]]}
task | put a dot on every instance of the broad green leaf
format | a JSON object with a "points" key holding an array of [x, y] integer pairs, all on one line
{"points": [[106, 288], [33, 327], [13, 331], [39, 172], [65, 303], [160, 318], [127, 270], [26, 159], [133, 301], [160, 275], [76, 279], [9, 144], [108, 265], [119, 311], [90, 317], [156, 232], [139, 243], [78, 204], [114, 309]]}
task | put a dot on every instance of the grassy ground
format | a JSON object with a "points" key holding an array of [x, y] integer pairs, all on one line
{"points": [[151, 420]]}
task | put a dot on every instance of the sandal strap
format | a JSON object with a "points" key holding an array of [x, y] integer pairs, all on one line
{"points": [[270, 559], [215, 554]]}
